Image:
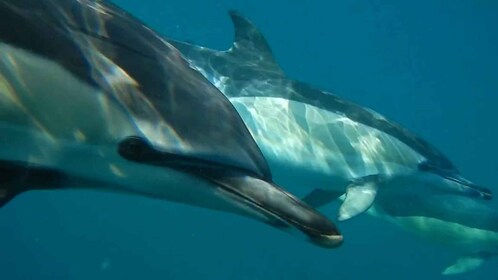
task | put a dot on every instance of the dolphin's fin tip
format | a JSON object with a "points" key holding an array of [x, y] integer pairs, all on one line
{"points": [[465, 264], [234, 13], [248, 39], [7, 194], [17, 177]]}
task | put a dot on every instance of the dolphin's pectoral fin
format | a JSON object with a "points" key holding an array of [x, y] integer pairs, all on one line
{"points": [[466, 263], [319, 197], [360, 195], [17, 177]]}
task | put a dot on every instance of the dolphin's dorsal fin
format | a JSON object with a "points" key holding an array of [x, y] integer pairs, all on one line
{"points": [[249, 54], [251, 45], [247, 37]]}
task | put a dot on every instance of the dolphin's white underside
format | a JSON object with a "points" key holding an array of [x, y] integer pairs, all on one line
{"points": [[51, 118], [323, 148], [468, 242], [459, 237]]}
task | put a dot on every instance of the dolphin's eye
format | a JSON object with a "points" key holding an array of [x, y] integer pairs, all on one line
{"points": [[425, 166], [133, 148]]}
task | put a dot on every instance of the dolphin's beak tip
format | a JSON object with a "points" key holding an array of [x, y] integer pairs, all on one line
{"points": [[328, 241]]}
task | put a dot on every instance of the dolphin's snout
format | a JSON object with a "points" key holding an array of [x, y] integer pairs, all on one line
{"points": [[282, 209], [328, 241], [469, 187]]}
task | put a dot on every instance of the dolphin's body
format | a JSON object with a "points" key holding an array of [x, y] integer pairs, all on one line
{"points": [[92, 98], [465, 225], [314, 139]]}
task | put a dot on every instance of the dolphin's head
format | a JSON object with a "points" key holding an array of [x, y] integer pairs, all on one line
{"points": [[171, 117], [467, 186], [451, 179], [225, 187]]}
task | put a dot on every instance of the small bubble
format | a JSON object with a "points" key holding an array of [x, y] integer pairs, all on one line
{"points": [[105, 264]]}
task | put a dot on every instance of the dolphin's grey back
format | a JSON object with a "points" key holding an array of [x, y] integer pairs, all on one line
{"points": [[177, 97], [250, 58]]}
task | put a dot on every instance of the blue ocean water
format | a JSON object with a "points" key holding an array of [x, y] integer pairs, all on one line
{"points": [[429, 65]]}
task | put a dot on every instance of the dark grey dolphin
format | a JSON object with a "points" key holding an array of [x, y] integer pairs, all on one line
{"points": [[90, 97], [316, 140]]}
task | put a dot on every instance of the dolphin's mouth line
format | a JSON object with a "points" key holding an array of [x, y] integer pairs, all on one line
{"points": [[325, 239], [479, 191], [455, 177], [316, 226], [261, 207], [282, 221]]}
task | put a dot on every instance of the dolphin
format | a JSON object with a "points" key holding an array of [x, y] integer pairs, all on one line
{"points": [[92, 98], [467, 226], [315, 140]]}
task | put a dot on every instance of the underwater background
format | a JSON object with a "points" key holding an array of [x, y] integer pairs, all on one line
{"points": [[430, 65]]}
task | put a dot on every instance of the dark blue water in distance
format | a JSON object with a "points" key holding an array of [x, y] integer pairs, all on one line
{"points": [[429, 65]]}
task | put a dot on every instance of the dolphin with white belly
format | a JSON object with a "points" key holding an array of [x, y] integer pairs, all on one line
{"points": [[315, 139], [92, 98], [467, 226]]}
